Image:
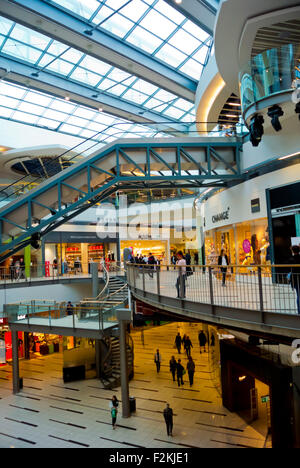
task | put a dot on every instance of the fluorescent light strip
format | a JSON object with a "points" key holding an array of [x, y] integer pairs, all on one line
{"points": [[289, 156]]}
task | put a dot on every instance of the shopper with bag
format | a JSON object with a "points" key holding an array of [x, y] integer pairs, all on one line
{"points": [[114, 404]]}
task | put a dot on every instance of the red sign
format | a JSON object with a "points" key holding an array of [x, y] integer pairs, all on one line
{"points": [[47, 269]]}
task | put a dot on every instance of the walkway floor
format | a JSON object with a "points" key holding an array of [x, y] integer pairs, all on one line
{"points": [[49, 413]]}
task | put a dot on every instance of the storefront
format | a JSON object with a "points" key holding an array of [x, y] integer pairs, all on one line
{"points": [[74, 252], [284, 219], [245, 243], [158, 248]]}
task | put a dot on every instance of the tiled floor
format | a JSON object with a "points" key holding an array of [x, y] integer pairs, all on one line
{"points": [[49, 413]]}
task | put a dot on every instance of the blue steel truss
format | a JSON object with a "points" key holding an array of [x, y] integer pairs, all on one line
{"points": [[122, 165]]}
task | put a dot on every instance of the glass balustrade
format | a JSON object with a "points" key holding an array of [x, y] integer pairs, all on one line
{"points": [[273, 71]]}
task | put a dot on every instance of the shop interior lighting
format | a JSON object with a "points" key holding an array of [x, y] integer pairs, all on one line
{"points": [[274, 113], [256, 129], [289, 156]]}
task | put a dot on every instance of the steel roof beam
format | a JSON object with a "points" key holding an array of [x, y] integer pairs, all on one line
{"points": [[50, 83], [200, 12], [57, 24]]}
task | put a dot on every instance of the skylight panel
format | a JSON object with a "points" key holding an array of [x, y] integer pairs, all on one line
{"points": [[27, 36], [118, 89], [72, 120], [134, 10], [9, 102], [53, 124], [135, 96], [184, 42], [5, 112], [62, 106], [5, 26], [24, 52], [196, 31], [70, 129], [85, 76], [143, 39], [84, 113], [170, 12], [192, 68], [95, 65], [58, 66], [171, 55], [174, 112], [11, 90], [31, 108], [201, 55], [51, 114], [118, 25], [158, 24], [23, 117], [145, 87]]}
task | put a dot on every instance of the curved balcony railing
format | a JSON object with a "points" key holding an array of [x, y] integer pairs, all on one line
{"points": [[271, 72], [254, 293]]}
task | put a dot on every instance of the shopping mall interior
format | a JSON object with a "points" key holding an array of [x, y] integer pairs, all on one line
{"points": [[149, 189]]}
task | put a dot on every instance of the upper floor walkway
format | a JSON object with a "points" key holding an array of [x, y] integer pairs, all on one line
{"points": [[252, 298]]}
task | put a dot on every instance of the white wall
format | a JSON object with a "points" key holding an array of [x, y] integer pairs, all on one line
{"points": [[238, 198], [58, 292]]}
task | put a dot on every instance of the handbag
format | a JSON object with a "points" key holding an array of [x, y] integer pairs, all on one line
{"points": [[183, 372]]}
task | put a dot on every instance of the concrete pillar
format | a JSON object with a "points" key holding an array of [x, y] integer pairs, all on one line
{"points": [[15, 362], [95, 279], [124, 317]]}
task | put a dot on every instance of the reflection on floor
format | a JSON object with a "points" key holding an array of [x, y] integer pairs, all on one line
{"points": [[49, 413]]}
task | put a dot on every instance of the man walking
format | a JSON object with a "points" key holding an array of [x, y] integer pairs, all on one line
{"points": [[157, 360], [168, 415], [202, 341], [180, 370], [178, 341], [191, 370], [187, 346], [173, 367]]}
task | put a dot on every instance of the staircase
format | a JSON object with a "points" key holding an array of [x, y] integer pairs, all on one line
{"points": [[110, 366]]}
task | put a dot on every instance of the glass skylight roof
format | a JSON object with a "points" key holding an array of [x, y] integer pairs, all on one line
{"points": [[150, 25], [48, 54], [18, 103]]}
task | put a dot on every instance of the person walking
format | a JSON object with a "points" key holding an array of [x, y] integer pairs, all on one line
{"points": [[22, 274], [70, 308], [180, 283], [114, 404], [187, 346], [168, 415], [202, 341], [178, 342], [223, 262], [157, 360], [295, 273], [151, 263], [180, 372], [191, 370], [173, 367]]}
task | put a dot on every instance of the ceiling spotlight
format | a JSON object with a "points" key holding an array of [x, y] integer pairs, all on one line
{"points": [[35, 240], [100, 109], [256, 129], [95, 96], [35, 74], [88, 32], [275, 112]]}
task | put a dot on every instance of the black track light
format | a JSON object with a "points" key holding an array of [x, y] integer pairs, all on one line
{"points": [[35, 241], [256, 129], [88, 32], [275, 112]]}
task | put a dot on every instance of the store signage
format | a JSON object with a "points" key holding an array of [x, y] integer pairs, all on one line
{"points": [[265, 399], [255, 205], [221, 216]]}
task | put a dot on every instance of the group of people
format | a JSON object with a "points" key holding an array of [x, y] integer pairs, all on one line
{"points": [[17, 270]]}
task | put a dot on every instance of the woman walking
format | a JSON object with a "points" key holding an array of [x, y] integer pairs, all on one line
{"points": [[114, 404]]}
